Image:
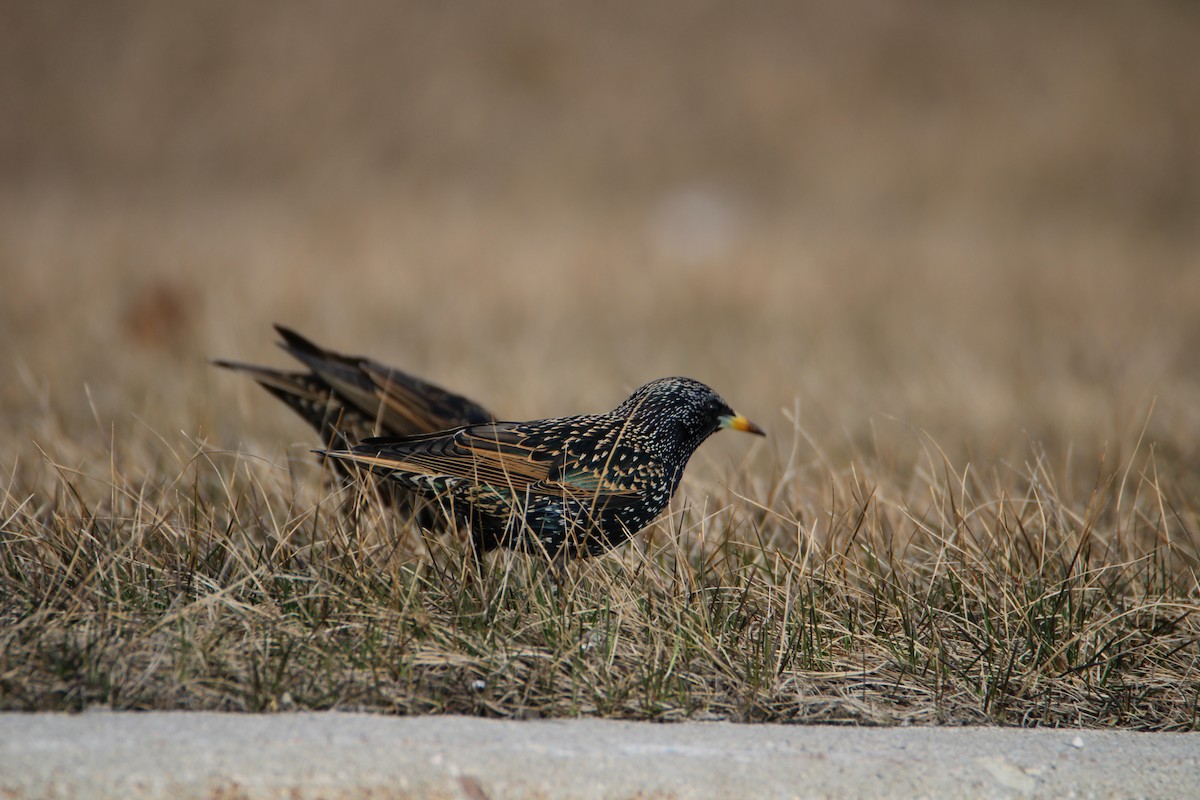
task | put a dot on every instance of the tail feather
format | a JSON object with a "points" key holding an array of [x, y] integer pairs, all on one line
{"points": [[336, 369], [311, 398], [350, 398]]}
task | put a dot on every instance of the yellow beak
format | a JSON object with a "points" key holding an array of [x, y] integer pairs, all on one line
{"points": [[739, 423]]}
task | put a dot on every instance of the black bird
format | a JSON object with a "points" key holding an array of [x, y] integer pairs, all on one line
{"points": [[573, 486], [350, 398]]}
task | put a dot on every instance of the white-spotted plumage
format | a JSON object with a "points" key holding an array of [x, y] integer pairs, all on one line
{"points": [[571, 485]]}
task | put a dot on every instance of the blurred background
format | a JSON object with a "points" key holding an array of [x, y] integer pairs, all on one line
{"points": [[978, 220]]}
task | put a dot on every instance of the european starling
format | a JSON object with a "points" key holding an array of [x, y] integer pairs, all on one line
{"points": [[349, 398], [573, 486]]}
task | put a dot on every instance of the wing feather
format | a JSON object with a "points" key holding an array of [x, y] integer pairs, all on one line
{"points": [[504, 455]]}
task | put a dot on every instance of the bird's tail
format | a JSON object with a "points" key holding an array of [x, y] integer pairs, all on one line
{"points": [[305, 393]]}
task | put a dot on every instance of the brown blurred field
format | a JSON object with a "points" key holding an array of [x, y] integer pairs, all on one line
{"points": [[887, 232], [979, 222]]}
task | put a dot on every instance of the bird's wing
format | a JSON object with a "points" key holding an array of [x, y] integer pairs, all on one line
{"points": [[493, 454], [504, 455]]}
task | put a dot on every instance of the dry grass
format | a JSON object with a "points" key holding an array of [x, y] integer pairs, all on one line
{"points": [[802, 593], [948, 261]]}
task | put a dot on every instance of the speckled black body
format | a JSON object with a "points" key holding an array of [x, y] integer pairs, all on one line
{"points": [[571, 486]]}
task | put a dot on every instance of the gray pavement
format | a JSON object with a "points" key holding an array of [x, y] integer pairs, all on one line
{"points": [[342, 755]]}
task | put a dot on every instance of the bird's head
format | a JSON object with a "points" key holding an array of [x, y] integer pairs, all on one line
{"points": [[684, 410]]}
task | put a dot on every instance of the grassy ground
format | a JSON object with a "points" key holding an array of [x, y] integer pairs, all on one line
{"points": [[948, 261]]}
